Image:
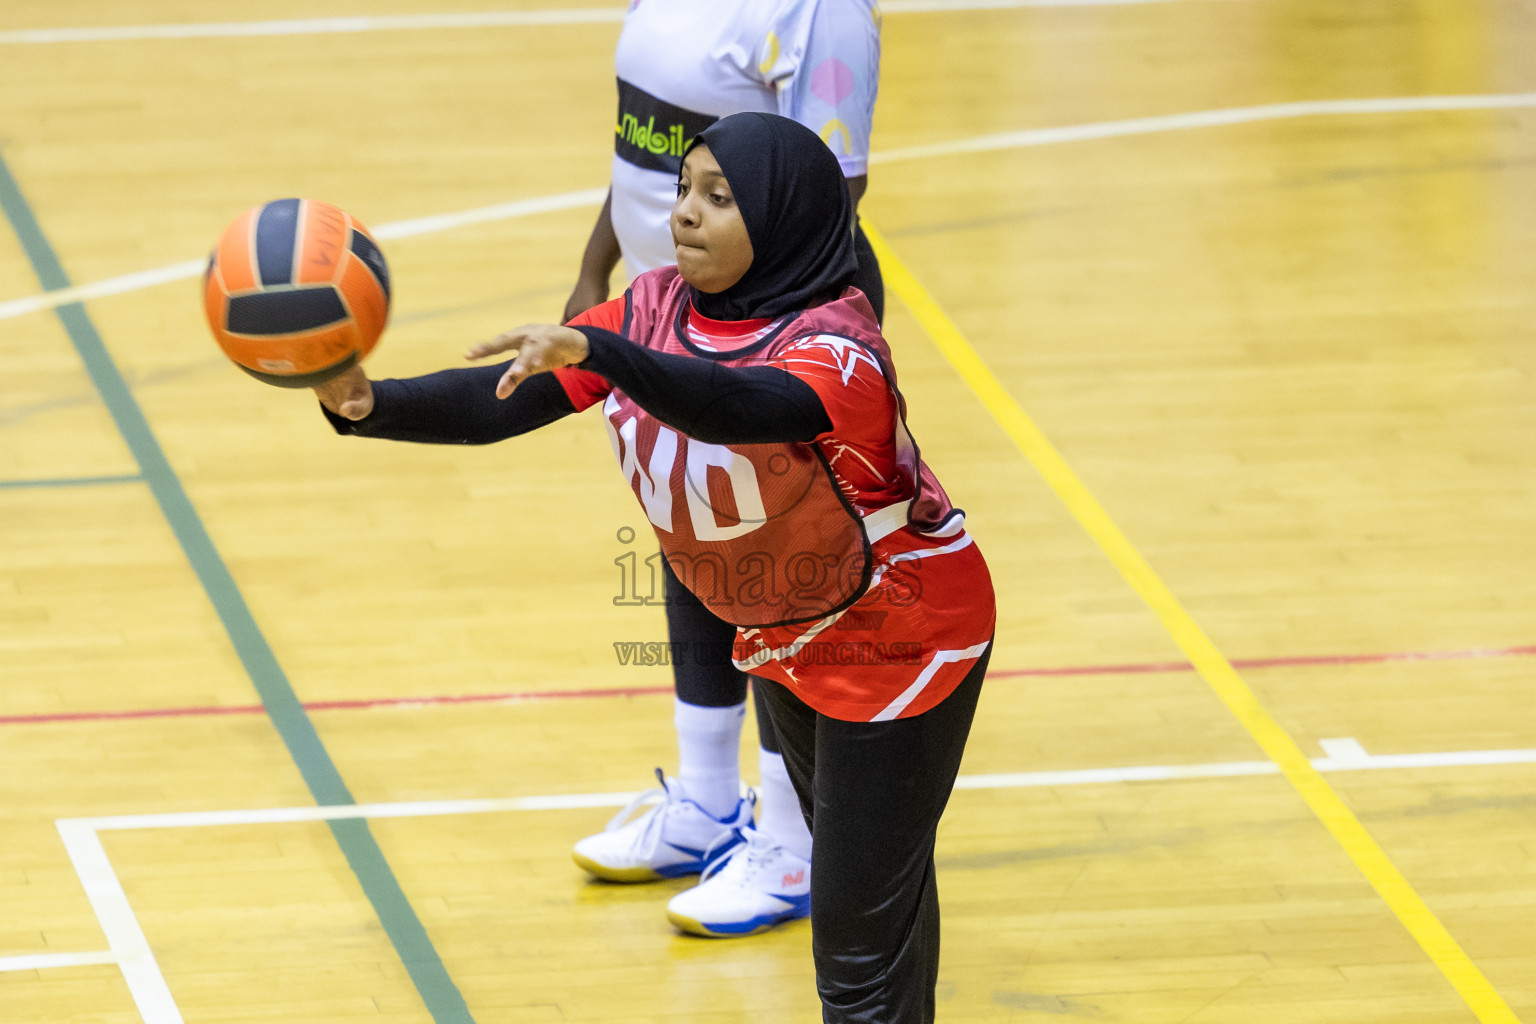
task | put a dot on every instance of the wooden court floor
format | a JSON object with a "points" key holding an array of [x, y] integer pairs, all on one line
{"points": [[1218, 316]]}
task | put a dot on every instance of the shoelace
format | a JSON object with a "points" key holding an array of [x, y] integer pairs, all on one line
{"points": [[756, 849], [650, 835]]}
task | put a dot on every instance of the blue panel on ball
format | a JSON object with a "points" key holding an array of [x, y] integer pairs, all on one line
{"points": [[264, 314], [276, 232], [373, 259]]}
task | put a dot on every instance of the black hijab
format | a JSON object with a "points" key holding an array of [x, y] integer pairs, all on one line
{"points": [[794, 201]]}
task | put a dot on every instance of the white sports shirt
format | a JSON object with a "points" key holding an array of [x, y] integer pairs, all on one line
{"points": [[683, 64]]}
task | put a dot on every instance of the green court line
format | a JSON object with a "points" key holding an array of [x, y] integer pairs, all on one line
{"points": [[357, 842], [71, 481]]}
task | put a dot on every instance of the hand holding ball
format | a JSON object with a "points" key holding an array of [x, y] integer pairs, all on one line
{"points": [[348, 395], [296, 293]]}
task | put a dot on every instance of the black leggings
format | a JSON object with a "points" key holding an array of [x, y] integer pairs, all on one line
{"points": [[872, 793], [702, 669]]}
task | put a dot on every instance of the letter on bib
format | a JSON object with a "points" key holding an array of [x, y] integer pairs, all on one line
{"points": [[657, 500], [743, 478]]}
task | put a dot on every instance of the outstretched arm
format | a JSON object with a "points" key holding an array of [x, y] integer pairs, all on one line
{"points": [[460, 406], [450, 407], [701, 398]]}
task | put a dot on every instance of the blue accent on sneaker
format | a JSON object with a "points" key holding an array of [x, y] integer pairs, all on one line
{"points": [[800, 906], [700, 859], [678, 870]]}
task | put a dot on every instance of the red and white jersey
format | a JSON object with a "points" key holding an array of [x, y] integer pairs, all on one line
{"points": [[907, 606]]}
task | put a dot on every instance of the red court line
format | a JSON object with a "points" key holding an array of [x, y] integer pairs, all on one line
{"points": [[1290, 662], [1144, 668], [342, 705], [485, 698]]}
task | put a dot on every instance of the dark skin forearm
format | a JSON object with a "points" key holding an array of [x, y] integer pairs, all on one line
{"points": [[599, 258], [856, 189]]}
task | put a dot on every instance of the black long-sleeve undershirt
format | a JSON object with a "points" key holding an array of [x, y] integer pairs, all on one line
{"points": [[457, 407], [705, 400], [698, 397]]}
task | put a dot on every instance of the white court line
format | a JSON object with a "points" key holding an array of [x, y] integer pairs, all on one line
{"points": [[1355, 759], [1103, 776], [398, 229], [124, 936], [488, 214], [111, 286], [337, 812], [1344, 752], [1205, 119], [313, 26], [984, 143], [39, 961], [948, 6], [477, 19], [130, 950]]}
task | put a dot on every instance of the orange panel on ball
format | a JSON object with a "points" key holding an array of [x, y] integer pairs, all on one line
{"points": [[314, 351], [322, 243], [236, 253], [365, 300]]}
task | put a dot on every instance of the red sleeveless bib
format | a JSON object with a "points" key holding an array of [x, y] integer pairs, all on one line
{"points": [[759, 532]]}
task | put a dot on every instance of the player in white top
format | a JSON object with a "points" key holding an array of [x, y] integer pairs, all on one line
{"points": [[681, 65]]}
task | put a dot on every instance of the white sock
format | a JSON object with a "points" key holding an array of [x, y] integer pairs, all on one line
{"points": [[709, 755], [778, 807]]}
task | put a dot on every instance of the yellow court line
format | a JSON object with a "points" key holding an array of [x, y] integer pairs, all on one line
{"points": [[1212, 665]]}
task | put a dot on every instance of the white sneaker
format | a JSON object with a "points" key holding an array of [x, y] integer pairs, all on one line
{"points": [[756, 886], [673, 836]]}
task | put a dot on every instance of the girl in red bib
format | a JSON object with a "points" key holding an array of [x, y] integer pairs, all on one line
{"points": [[753, 406]]}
